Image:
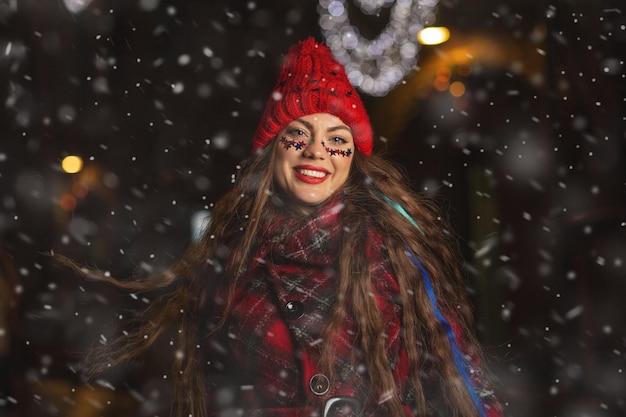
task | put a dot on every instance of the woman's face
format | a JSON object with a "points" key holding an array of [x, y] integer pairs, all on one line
{"points": [[313, 158]]}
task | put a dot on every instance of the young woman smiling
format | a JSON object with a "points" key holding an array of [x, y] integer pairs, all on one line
{"points": [[324, 286]]}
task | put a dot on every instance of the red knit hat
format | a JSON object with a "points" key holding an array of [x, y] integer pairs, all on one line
{"points": [[311, 81]]}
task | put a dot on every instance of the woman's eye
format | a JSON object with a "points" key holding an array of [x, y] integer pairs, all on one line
{"points": [[338, 140], [297, 132]]}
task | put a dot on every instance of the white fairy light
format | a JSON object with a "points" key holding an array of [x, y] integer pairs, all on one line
{"points": [[376, 66], [76, 6]]}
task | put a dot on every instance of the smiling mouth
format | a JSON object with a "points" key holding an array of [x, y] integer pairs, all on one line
{"points": [[311, 173], [307, 175]]}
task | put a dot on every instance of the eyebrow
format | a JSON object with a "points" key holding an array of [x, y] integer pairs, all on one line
{"points": [[330, 129]]}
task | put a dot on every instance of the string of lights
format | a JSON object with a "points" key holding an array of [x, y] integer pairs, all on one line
{"points": [[376, 66]]}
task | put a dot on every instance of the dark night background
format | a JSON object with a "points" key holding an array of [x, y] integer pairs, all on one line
{"points": [[160, 99]]}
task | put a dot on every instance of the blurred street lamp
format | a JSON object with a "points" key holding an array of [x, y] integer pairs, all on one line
{"points": [[433, 35], [72, 164]]}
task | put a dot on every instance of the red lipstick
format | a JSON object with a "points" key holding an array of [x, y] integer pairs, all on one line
{"points": [[311, 174]]}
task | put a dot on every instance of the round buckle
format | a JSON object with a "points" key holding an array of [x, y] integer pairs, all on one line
{"points": [[319, 384]]}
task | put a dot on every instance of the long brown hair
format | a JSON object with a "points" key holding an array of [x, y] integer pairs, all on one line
{"points": [[186, 290], [374, 181]]}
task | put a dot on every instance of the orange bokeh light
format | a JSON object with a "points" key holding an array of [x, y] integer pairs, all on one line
{"points": [[80, 189], [444, 72], [442, 83], [67, 202], [464, 69]]}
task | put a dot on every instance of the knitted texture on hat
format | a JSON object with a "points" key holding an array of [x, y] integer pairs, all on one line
{"points": [[312, 81]]}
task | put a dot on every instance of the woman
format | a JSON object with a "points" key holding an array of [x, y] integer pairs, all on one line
{"points": [[323, 286]]}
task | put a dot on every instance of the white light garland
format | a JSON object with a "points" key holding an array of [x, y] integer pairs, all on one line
{"points": [[76, 6], [376, 66]]}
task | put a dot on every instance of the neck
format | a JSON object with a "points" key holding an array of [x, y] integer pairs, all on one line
{"points": [[296, 207]]}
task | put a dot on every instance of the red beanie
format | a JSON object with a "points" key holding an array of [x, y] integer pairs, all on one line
{"points": [[311, 81]]}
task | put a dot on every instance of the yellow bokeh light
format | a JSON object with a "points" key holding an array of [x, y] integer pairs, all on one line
{"points": [[457, 89], [433, 35], [72, 164]]}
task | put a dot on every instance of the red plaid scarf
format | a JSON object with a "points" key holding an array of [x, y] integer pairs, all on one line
{"points": [[279, 350], [273, 352]]}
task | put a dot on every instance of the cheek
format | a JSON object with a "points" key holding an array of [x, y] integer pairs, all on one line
{"points": [[279, 162], [282, 165], [342, 166]]}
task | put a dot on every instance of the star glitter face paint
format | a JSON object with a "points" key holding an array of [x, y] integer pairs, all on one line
{"points": [[298, 145], [290, 143], [314, 157], [333, 151]]}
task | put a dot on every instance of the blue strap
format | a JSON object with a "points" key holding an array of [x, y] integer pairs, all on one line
{"points": [[459, 360]]}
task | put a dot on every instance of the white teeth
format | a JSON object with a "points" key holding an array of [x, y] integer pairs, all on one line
{"points": [[311, 173]]}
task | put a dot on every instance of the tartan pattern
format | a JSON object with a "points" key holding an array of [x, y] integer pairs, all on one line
{"points": [[274, 355]]}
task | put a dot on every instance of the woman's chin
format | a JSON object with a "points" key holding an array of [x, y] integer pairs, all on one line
{"points": [[301, 203]]}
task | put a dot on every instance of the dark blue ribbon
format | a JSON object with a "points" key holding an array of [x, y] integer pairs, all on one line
{"points": [[459, 360]]}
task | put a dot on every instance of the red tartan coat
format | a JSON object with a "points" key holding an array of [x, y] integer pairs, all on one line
{"points": [[264, 361]]}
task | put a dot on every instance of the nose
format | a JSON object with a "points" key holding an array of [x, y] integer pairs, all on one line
{"points": [[314, 149]]}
